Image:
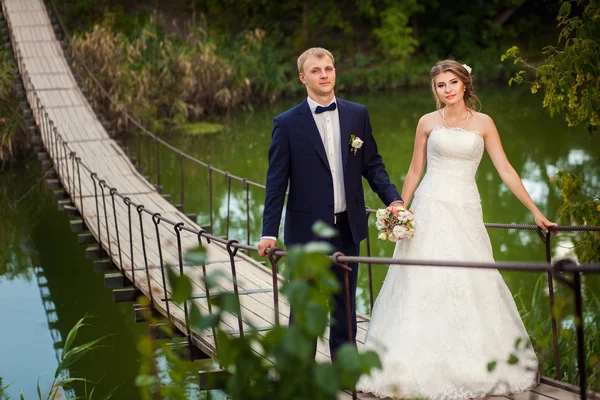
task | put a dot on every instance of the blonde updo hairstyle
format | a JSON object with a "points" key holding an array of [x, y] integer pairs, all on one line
{"points": [[461, 72]]}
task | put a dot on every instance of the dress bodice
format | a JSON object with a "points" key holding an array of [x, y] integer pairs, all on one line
{"points": [[453, 156]]}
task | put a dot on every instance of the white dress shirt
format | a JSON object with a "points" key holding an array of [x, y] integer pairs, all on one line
{"points": [[328, 124]]}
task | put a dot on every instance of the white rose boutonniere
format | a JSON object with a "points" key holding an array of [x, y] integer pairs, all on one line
{"points": [[355, 143]]}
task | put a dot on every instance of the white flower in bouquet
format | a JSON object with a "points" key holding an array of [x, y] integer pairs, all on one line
{"points": [[379, 224], [382, 236], [381, 214], [400, 231]]}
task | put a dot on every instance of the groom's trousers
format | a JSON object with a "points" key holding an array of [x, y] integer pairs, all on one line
{"points": [[338, 330]]}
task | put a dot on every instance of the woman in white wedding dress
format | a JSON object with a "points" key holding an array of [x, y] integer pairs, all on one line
{"points": [[436, 329]]}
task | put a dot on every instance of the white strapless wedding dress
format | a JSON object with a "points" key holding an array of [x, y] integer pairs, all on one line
{"points": [[434, 328]]}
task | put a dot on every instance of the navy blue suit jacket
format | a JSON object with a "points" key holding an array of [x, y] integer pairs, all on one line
{"points": [[297, 157]]}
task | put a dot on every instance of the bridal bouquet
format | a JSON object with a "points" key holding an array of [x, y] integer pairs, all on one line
{"points": [[395, 223]]}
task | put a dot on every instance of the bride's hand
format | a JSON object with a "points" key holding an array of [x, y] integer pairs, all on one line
{"points": [[545, 224]]}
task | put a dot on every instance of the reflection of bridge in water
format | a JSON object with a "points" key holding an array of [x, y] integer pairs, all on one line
{"points": [[52, 320], [141, 234]]}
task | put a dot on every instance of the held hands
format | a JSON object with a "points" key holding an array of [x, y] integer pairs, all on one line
{"points": [[263, 245], [396, 203], [544, 223]]}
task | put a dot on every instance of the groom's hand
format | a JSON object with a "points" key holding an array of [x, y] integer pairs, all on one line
{"points": [[263, 245], [396, 203]]}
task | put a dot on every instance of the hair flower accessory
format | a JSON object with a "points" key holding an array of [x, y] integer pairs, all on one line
{"points": [[465, 66]]}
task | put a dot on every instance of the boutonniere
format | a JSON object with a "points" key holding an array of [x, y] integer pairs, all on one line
{"points": [[355, 143]]}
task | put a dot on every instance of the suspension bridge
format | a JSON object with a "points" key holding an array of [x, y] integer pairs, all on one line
{"points": [[135, 230]]}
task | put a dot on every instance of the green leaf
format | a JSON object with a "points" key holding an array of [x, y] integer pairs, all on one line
{"points": [[316, 319], [348, 359], [297, 344], [181, 286], [369, 360], [195, 314], [296, 292], [39, 390], [74, 354], [318, 247], [196, 256], [327, 378], [66, 381], [228, 302], [72, 334], [322, 230], [517, 343], [565, 10], [491, 366], [145, 380], [513, 359], [208, 322]]}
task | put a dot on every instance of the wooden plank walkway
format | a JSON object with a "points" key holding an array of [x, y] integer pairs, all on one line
{"points": [[64, 108]]}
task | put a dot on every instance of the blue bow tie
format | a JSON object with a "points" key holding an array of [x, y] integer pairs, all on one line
{"points": [[321, 109]]}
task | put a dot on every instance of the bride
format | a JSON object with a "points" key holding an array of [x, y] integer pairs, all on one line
{"points": [[447, 333]]}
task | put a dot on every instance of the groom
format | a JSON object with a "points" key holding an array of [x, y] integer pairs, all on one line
{"points": [[322, 148]]}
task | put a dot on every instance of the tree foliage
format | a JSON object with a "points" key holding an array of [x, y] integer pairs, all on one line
{"points": [[570, 77], [569, 74]]}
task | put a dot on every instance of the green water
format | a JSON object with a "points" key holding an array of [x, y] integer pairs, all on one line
{"points": [[36, 245]]}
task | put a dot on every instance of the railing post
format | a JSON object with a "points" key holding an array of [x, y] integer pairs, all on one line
{"points": [[579, 328], [127, 201], [139, 149], [210, 198], [156, 219], [369, 268], [274, 261], [102, 185], [346, 269], [178, 227], [232, 252], [113, 191], [207, 291], [228, 178], [93, 175], [140, 209], [546, 239], [247, 186], [72, 156], [181, 193], [78, 161], [158, 188]]}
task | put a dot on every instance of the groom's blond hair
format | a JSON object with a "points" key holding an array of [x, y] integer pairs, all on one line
{"points": [[318, 52]]}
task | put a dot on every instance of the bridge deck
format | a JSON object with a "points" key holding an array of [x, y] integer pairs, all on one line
{"points": [[43, 64]]}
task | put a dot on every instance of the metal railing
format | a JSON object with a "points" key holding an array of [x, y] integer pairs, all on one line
{"points": [[72, 170]]}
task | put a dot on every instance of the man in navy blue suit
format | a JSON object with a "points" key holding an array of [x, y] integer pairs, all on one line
{"points": [[322, 148]]}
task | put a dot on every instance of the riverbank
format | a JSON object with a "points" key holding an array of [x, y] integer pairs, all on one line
{"points": [[13, 141], [189, 61]]}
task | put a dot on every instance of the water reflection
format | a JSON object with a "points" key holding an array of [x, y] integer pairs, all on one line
{"points": [[46, 286]]}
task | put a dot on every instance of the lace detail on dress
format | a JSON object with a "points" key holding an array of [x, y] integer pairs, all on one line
{"points": [[437, 328]]}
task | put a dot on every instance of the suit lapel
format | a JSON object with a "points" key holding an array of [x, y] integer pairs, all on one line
{"points": [[312, 132], [344, 116]]}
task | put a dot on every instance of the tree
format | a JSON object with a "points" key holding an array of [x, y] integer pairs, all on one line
{"points": [[569, 77]]}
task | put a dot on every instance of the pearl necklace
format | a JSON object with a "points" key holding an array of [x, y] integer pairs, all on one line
{"points": [[444, 119]]}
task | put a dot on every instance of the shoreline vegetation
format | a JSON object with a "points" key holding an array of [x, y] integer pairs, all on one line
{"points": [[13, 141], [185, 62], [188, 61]]}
